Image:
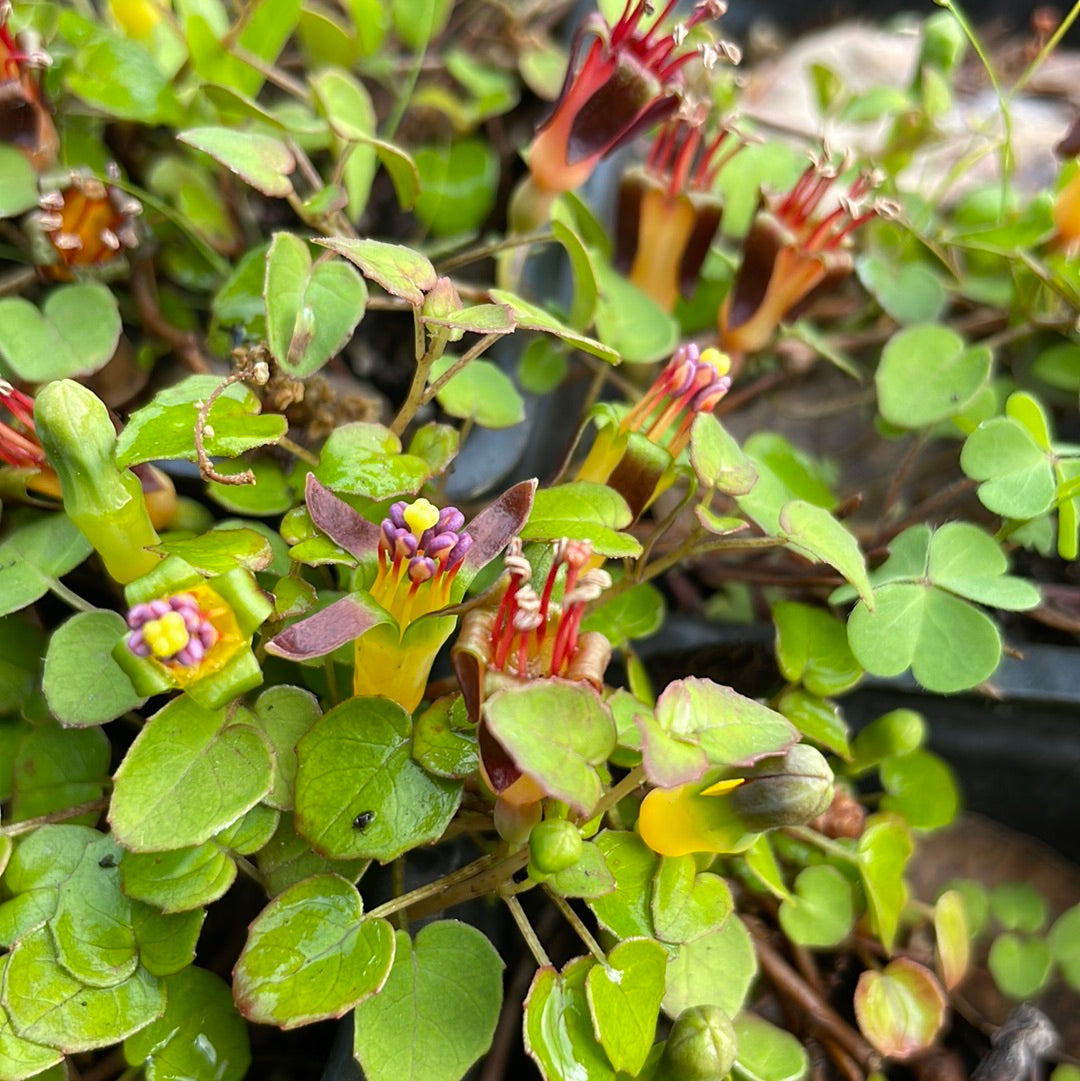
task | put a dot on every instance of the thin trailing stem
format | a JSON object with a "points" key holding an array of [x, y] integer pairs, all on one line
{"points": [[471, 354], [206, 467], [576, 923], [819, 840], [69, 596], [16, 829], [527, 931], [484, 251]]}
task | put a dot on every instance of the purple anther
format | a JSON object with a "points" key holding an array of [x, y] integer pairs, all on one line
{"points": [[459, 551], [421, 568], [450, 520], [440, 544], [396, 514], [137, 644]]}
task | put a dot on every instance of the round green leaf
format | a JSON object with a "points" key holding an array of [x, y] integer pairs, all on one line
{"points": [[716, 969], [287, 859], [75, 333], [563, 759], [457, 185], [190, 773], [699, 724], [949, 645], [1064, 943], [928, 374], [199, 1035], [1018, 906], [686, 905], [818, 719], [966, 560], [359, 793], [900, 1009], [629, 320], [21, 1058], [18, 182], [82, 683], [920, 787], [480, 392], [444, 742], [624, 1000], [311, 311], [310, 955], [583, 511], [559, 1034], [176, 881], [260, 160], [812, 648], [436, 1013], [821, 912], [1017, 475], [48, 1006], [767, 1053], [285, 714], [1020, 966], [625, 910], [910, 292], [635, 613], [57, 768]]}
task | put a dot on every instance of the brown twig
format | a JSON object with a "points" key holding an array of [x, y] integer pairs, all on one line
{"points": [[144, 292], [15, 829], [818, 1012]]}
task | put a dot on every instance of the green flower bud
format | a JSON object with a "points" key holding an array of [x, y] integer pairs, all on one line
{"points": [[554, 845], [784, 790], [105, 502], [701, 1046], [898, 732], [441, 302]]}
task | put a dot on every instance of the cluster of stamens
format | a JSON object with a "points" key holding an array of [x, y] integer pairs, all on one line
{"points": [[175, 630], [533, 637], [88, 221], [18, 443], [692, 382], [418, 544], [796, 210], [682, 160], [656, 50]]}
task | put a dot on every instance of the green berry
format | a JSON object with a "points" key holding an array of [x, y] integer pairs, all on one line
{"points": [[554, 845]]}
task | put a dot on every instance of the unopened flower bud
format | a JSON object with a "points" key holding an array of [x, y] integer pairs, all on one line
{"points": [[784, 790], [701, 1046]]}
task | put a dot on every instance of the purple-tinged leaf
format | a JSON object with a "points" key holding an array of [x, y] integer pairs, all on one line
{"points": [[493, 527], [343, 621], [344, 526]]}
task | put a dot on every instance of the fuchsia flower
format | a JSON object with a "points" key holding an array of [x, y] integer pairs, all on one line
{"points": [[24, 120], [629, 79], [530, 637], [668, 213], [425, 560], [791, 255], [636, 454]]}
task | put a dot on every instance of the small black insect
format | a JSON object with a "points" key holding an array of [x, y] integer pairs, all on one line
{"points": [[107, 861], [363, 820]]}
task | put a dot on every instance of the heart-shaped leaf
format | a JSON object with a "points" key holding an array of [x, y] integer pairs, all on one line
{"points": [[583, 511], [399, 270], [901, 1008], [822, 911], [558, 1026], [563, 760], [311, 955], [260, 160], [624, 998], [685, 904], [82, 683], [190, 773], [311, 311], [1020, 965], [359, 792], [767, 1053], [436, 1013], [200, 1033], [717, 968], [75, 333]]}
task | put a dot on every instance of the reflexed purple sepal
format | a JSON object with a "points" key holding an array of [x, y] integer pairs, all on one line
{"points": [[344, 526], [343, 621]]}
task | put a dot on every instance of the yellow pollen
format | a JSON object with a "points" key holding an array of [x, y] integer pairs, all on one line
{"points": [[167, 635], [420, 515], [720, 361]]}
